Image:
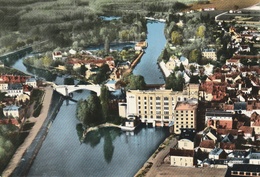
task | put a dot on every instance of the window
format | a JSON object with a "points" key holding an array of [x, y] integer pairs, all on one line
{"points": [[139, 98], [166, 117], [166, 108], [181, 115], [151, 98], [158, 98], [166, 103], [145, 98], [166, 98], [158, 103], [158, 117], [177, 115]]}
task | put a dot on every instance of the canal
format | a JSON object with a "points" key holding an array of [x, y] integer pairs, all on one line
{"points": [[108, 151]]}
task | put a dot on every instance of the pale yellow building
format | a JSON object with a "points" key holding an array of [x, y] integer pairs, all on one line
{"points": [[184, 158], [157, 107], [185, 115]]}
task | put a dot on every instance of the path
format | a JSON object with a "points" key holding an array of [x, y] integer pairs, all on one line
{"points": [[34, 131]]}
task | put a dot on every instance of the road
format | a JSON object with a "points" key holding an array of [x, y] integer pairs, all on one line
{"points": [[25, 154]]}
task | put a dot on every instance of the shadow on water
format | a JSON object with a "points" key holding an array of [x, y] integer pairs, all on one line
{"points": [[93, 138], [47, 75]]}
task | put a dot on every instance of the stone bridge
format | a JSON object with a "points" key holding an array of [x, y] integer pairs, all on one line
{"points": [[67, 89]]}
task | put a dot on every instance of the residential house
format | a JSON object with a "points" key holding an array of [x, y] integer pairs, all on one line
{"points": [[14, 90], [217, 153], [12, 111], [210, 54], [207, 145], [219, 119], [57, 55], [31, 82], [186, 138], [254, 158], [247, 132], [184, 158]]}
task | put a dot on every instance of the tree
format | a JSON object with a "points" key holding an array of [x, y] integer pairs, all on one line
{"points": [[104, 99], [201, 31], [83, 70], [107, 45], [136, 82], [175, 83], [195, 55], [176, 37]]}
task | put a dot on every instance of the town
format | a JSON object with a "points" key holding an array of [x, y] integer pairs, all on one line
{"points": [[209, 101]]}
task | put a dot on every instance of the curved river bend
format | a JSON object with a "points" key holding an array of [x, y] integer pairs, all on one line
{"points": [[109, 151]]}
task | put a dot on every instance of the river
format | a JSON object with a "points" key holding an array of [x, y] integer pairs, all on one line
{"points": [[108, 151], [148, 66]]}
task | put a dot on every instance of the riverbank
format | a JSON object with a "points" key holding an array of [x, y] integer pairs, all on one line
{"points": [[86, 131], [159, 165], [150, 167], [17, 157]]}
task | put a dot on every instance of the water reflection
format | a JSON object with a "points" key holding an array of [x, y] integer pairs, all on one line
{"points": [[93, 138]]}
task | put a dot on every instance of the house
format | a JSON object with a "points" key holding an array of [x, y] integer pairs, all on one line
{"points": [[210, 54], [141, 45], [3, 86], [72, 52], [219, 119], [254, 158], [247, 132], [57, 55], [12, 111], [186, 138], [172, 63], [184, 158], [217, 153], [207, 145], [14, 90], [31, 82]]}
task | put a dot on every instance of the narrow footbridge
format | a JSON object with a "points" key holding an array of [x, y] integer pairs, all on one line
{"points": [[67, 89]]}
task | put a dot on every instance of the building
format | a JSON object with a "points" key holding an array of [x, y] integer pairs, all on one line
{"points": [[184, 158], [219, 119], [31, 82], [185, 115], [157, 107], [210, 54], [14, 90], [12, 111], [217, 154], [186, 139]]}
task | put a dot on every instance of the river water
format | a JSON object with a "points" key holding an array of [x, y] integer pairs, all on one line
{"points": [[148, 66], [108, 151]]}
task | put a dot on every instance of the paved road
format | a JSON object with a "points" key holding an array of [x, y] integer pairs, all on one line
{"points": [[26, 152]]}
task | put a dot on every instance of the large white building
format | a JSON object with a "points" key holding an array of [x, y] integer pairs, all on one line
{"points": [[157, 106]]}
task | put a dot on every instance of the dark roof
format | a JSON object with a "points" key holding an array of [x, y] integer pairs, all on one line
{"points": [[218, 113], [187, 133], [207, 144], [180, 152], [240, 106]]}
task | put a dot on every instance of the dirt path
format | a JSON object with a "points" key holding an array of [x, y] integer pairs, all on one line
{"points": [[34, 131]]}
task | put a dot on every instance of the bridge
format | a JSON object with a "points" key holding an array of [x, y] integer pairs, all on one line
{"points": [[67, 89]]}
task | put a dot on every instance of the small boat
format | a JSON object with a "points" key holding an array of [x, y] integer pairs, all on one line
{"points": [[130, 124]]}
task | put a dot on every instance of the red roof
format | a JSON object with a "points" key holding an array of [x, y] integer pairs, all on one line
{"points": [[207, 144]]}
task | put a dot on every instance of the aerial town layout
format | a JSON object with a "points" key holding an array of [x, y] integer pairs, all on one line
{"points": [[213, 120]]}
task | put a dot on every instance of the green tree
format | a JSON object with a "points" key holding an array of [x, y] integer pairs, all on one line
{"points": [[201, 31], [104, 99], [176, 37], [135, 82], [175, 83], [195, 55]]}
